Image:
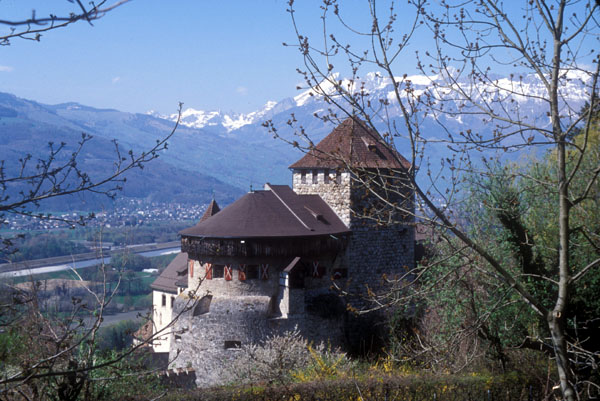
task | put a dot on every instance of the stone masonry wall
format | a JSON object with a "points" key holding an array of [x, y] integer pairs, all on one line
{"points": [[209, 342], [336, 194], [373, 249], [375, 253], [234, 287]]}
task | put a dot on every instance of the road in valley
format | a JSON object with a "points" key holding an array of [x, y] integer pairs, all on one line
{"points": [[49, 265]]}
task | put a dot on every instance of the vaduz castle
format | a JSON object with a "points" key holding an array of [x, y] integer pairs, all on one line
{"points": [[268, 262]]}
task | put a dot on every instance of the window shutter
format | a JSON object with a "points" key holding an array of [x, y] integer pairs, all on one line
{"points": [[242, 272], [264, 272], [191, 268], [228, 273], [208, 271], [317, 270]]}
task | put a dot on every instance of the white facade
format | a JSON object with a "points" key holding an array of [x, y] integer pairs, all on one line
{"points": [[162, 315]]}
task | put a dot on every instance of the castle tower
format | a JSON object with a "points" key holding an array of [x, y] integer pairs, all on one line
{"points": [[365, 182]]}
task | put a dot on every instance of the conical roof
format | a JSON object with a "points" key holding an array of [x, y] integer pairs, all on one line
{"points": [[212, 209], [352, 143]]}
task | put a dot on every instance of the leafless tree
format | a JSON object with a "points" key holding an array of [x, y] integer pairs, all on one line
{"points": [[64, 350], [34, 26], [60, 174], [57, 357], [61, 352], [553, 42]]}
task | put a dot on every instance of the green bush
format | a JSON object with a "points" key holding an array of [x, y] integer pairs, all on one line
{"points": [[390, 388], [117, 337]]}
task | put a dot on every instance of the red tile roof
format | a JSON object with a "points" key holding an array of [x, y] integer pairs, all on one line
{"points": [[175, 271], [275, 212], [352, 143]]}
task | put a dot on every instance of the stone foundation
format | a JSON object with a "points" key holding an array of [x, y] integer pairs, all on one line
{"points": [[209, 342]]}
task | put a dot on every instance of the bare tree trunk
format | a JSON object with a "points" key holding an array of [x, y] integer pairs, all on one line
{"points": [[556, 316]]}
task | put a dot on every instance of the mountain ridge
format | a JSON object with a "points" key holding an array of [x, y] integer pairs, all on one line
{"points": [[233, 150]]}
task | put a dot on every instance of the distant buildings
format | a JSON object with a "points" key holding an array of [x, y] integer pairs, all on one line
{"points": [[130, 212]]}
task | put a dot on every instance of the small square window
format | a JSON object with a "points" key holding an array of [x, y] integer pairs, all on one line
{"points": [[233, 344]]}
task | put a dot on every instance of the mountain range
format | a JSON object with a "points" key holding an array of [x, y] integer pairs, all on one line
{"points": [[225, 154]]}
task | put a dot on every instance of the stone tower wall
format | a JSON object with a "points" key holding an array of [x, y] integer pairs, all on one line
{"points": [[384, 247], [336, 192], [374, 249]]}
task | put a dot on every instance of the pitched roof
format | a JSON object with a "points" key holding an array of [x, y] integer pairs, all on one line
{"points": [[353, 143], [175, 271], [212, 209], [275, 212]]}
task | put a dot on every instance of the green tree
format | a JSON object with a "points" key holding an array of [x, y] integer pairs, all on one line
{"points": [[551, 42]]}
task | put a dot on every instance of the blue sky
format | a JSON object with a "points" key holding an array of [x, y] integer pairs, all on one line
{"points": [[151, 54]]}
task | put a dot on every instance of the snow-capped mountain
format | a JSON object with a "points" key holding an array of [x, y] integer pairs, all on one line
{"points": [[520, 97], [200, 119]]}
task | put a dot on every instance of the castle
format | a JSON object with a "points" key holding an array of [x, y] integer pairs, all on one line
{"points": [[266, 263]]}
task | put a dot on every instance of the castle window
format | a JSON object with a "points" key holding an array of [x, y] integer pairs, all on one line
{"points": [[251, 272], [218, 271], [233, 344], [338, 177], [315, 176], [303, 177], [326, 176], [172, 302], [164, 300]]}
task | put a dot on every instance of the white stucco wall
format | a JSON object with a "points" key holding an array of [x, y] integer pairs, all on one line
{"points": [[162, 316]]}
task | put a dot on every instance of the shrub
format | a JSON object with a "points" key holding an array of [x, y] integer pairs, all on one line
{"points": [[285, 358], [390, 388], [271, 361]]}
